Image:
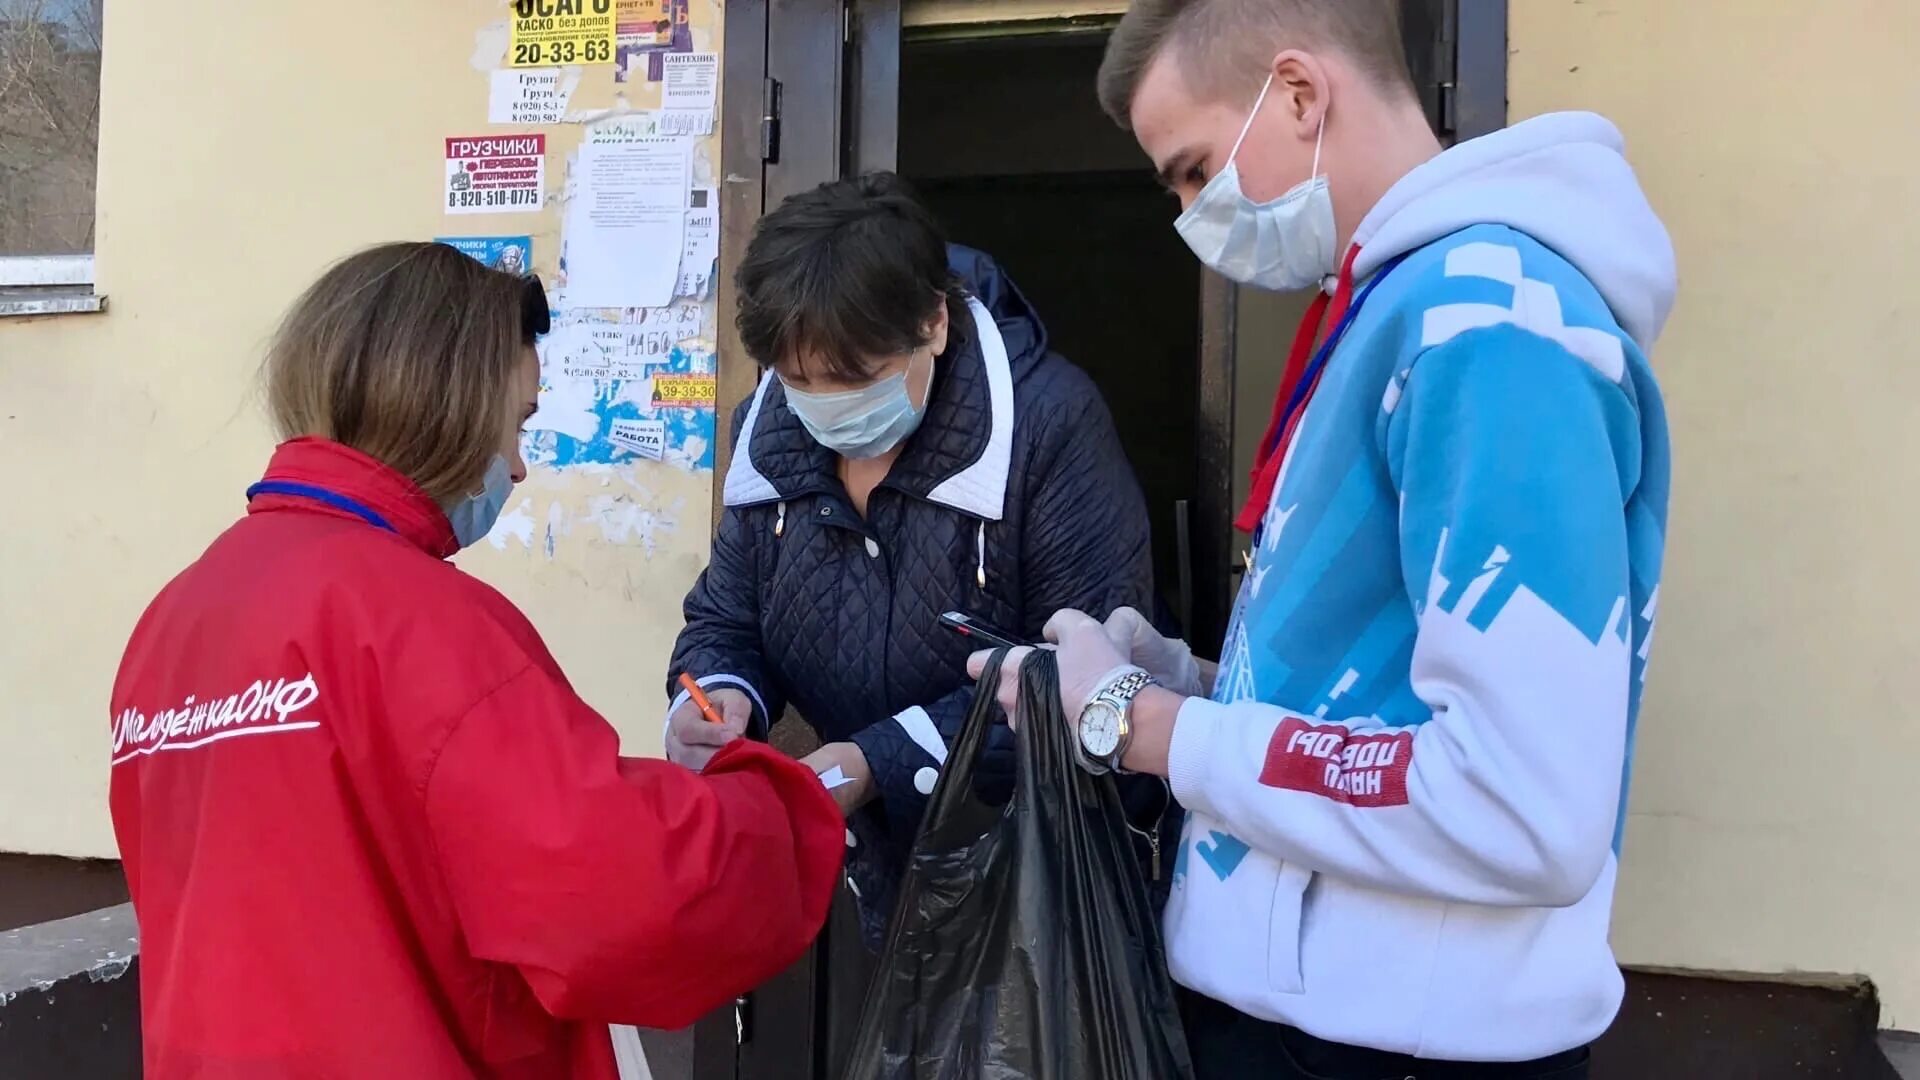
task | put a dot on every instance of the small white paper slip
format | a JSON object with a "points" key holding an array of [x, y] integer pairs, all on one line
{"points": [[540, 96], [834, 778]]}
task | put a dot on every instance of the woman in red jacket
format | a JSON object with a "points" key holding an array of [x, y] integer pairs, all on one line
{"points": [[369, 827]]}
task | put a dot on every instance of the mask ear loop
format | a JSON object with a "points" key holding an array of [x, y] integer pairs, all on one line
{"points": [[929, 391], [1248, 126], [1319, 138]]}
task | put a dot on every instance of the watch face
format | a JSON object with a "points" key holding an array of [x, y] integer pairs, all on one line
{"points": [[1100, 730]]}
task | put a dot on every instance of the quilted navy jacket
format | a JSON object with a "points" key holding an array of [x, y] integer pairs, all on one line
{"points": [[1012, 500]]}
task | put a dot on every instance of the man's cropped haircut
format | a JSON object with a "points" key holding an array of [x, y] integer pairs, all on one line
{"points": [[1225, 47]]}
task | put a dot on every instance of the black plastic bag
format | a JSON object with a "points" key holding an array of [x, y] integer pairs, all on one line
{"points": [[1023, 944]]}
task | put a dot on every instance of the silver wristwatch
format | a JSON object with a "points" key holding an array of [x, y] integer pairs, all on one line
{"points": [[1106, 724]]}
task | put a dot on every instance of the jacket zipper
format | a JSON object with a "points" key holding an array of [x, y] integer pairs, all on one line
{"points": [[1152, 836]]}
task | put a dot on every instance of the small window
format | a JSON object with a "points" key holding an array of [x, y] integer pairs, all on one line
{"points": [[49, 146]]}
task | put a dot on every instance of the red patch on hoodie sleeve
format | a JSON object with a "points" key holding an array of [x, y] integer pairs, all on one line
{"points": [[1331, 761]]}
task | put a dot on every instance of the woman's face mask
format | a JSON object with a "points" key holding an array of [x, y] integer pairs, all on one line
{"points": [[870, 421], [1282, 245], [472, 517]]}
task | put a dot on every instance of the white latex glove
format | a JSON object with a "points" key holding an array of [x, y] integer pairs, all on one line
{"points": [[1169, 660], [1087, 657], [692, 739]]}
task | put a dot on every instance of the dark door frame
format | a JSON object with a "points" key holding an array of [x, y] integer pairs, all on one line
{"points": [[785, 105], [811, 92]]}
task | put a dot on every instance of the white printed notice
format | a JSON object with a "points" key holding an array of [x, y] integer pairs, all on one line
{"points": [[625, 221], [647, 438], [536, 96], [701, 245], [497, 174], [690, 90]]}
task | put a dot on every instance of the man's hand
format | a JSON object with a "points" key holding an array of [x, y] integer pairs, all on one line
{"points": [[852, 762], [1169, 661], [692, 739], [1088, 659]]}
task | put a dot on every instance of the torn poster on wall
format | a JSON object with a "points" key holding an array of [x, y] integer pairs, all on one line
{"points": [[624, 224], [583, 346], [701, 244], [496, 174], [640, 26], [647, 31], [627, 127], [513, 254], [547, 33], [629, 513], [531, 97], [586, 419]]}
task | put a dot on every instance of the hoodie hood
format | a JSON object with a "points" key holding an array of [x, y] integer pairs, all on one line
{"points": [[1562, 179]]}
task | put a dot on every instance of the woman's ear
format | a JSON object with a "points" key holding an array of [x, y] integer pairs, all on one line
{"points": [[935, 330]]}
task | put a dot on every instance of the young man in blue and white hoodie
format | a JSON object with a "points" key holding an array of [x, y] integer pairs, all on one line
{"points": [[1405, 783]]}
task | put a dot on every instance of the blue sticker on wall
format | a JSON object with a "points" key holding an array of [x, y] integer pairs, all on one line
{"points": [[513, 254]]}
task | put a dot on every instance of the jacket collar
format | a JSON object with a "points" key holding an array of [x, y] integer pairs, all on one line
{"points": [[959, 456], [355, 480]]}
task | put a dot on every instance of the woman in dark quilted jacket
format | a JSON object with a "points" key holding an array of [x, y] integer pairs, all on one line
{"points": [[914, 448]]}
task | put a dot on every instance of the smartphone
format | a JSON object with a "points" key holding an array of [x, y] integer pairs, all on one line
{"points": [[982, 634]]}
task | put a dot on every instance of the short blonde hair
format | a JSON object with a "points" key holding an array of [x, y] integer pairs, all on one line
{"points": [[1225, 47], [406, 352]]}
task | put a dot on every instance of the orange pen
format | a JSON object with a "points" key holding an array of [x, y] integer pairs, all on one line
{"points": [[700, 699]]}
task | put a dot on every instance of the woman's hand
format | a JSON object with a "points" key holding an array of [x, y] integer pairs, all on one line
{"points": [[692, 739], [852, 763]]}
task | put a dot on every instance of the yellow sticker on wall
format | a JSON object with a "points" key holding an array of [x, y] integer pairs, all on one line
{"points": [[549, 33], [684, 391]]}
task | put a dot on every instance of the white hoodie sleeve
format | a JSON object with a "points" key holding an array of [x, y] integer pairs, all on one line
{"points": [[1514, 461]]}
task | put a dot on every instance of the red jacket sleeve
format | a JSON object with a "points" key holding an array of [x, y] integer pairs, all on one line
{"points": [[626, 890]]}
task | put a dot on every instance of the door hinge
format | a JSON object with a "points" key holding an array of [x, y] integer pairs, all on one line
{"points": [[1446, 73], [770, 122]]}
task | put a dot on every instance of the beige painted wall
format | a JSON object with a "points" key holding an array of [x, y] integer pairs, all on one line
{"points": [[243, 147], [1775, 821]]}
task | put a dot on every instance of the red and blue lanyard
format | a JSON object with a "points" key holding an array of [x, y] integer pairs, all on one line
{"points": [[1301, 378], [320, 495]]}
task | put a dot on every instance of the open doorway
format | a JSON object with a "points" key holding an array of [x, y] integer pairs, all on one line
{"points": [[1025, 167]]}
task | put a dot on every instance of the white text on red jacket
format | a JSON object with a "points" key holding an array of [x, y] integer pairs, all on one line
{"points": [[264, 708], [1329, 760]]}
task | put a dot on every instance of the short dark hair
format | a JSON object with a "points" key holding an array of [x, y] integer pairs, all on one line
{"points": [[1225, 45], [850, 270]]}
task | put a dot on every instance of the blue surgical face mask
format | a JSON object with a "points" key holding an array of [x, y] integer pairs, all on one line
{"points": [[863, 423], [472, 517], [1284, 244]]}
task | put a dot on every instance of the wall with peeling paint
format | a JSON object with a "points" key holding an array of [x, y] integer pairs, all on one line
{"points": [[244, 147], [1773, 818]]}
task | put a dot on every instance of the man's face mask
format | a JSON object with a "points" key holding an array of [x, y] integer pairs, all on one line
{"points": [[867, 422], [1281, 245]]}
